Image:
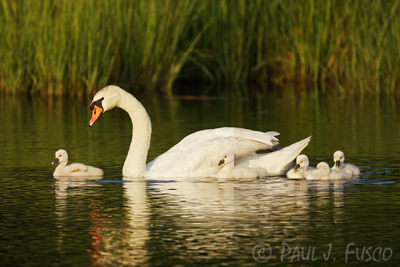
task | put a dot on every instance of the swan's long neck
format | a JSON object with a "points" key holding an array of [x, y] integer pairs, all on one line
{"points": [[60, 166], [226, 170], [135, 163]]}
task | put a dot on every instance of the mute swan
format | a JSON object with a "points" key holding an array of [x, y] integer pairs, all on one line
{"points": [[323, 172], [75, 169], [338, 158], [301, 168], [196, 154], [230, 171]]}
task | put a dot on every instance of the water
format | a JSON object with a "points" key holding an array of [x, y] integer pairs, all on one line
{"points": [[109, 222]]}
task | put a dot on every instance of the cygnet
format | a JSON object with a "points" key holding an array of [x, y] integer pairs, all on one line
{"points": [[75, 169], [323, 172], [338, 158], [301, 169], [229, 171]]}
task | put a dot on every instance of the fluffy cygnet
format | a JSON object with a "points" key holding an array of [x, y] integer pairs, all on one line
{"points": [[229, 171], [323, 172], [75, 169], [301, 169], [338, 158]]}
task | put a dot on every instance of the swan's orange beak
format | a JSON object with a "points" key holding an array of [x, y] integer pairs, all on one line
{"points": [[95, 114]]}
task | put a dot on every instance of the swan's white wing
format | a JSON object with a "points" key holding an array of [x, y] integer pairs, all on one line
{"points": [[201, 160], [198, 138]]}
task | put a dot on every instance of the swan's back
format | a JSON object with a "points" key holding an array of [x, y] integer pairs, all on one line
{"points": [[199, 137], [257, 140], [202, 159]]}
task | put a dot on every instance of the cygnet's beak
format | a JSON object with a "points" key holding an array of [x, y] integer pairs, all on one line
{"points": [[337, 163], [222, 161], [55, 160], [297, 166]]}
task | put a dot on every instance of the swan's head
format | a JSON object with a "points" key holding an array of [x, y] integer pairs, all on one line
{"points": [[324, 168], [226, 157], [338, 158], [105, 99], [61, 156], [301, 162]]}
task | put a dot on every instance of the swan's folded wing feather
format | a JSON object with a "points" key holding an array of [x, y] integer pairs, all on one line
{"points": [[199, 137], [203, 137], [202, 160]]}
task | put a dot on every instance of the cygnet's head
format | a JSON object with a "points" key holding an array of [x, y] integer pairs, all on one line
{"points": [[226, 157], [301, 162], [324, 168], [61, 156], [338, 158], [105, 99]]}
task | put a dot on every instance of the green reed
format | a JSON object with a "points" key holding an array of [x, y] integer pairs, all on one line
{"points": [[155, 41], [76, 47]]}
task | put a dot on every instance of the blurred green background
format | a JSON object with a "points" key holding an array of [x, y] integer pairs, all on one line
{"points": [[70, 47]]}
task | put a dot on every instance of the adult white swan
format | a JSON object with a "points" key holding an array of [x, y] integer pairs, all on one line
{"points": [[197, 155]]}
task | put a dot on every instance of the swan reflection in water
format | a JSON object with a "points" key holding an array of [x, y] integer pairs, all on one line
{"points": [[113, 241], [126, 243], [205, 218]]}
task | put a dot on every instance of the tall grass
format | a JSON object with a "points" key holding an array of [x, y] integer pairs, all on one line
{"points": [[57, 47], [152, 41]]}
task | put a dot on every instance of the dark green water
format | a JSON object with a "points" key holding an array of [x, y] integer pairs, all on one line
{"points": [[49, 222]]}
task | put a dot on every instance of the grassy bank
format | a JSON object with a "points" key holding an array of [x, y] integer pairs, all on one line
{"points": [[76, 47]]}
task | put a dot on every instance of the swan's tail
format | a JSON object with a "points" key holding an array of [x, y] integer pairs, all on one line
{"points": [[278, 162]]}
